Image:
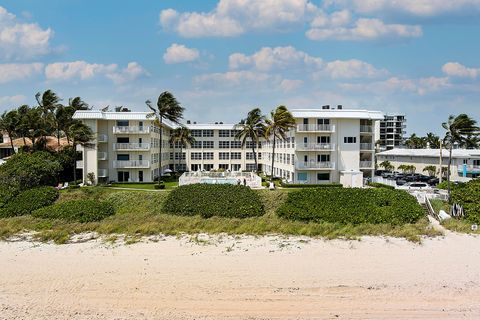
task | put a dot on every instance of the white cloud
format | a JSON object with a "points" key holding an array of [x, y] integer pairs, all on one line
{"points": [[178, 53], [234, 17], [353, 69], [22, 40], [395, 85], [17, 71], [288, 85], [234, 78], [12, 101], [82, 70], [364, 29], [455, 69]]}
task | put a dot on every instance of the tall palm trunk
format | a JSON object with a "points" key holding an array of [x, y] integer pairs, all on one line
{"points": [[181, 154], [273, 157], [174, 165], [11, 142], [255, 157], [448, 169], [160, 148]]}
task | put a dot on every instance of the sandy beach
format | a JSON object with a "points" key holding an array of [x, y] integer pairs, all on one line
{"points": [[242, 278]]}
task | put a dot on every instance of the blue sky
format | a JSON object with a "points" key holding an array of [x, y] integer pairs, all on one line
{"points": [[221, 58]]}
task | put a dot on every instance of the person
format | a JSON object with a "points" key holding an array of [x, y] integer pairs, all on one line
{"points": [[238, 182], [244, 182]]}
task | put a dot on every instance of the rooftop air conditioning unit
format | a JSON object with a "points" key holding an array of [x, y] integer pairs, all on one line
{"points": [[326, 107], [189, 122], [339, 107]]}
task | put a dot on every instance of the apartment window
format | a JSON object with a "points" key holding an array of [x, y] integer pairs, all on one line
{"points": [[236, 155], [171, 155], [251, 144], [305, 120], [224, 133], [323, 139], [197, 145], [233, 133], [323, 176], [179, 156], [223, 166], [224, 144], [236, 167], [122, 123], [236, 144], [305, 158], [250, 167], [302, 176], [196, 156], [305, 140], [288, 158], [249, 156], [323, 157], [208, 166], [196, 133], [208, 156], [476, 163], [349, 139], [224, 155], [123, 157], [323, 121], [208, 133], [123, 140], [259, 155], [207, 144]]}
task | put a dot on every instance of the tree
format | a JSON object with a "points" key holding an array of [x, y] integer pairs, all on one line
{"points": [[9, 122], [167, 108], [432, 140], [280, 122], [32, 125], [183, 137], [387, 165], [48, 102], [80, 134], [416, 142], [458, 130], [430, 169], [251, 128]]}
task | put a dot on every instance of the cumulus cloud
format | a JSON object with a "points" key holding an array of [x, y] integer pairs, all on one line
{"points": [[178, 53], [353, 69], [234, 78], [18, 71], [396, 85], [132, 72], [234, 17], [455, 69], [288, 85], [11, 101], [22, 40]]}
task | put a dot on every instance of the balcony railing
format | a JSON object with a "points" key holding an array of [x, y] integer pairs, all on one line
{"points": [[131, 164], [79, 164], [102, 138], [102, 173], [131, 129], [315, 128], [366, 164], [315, 146], [131, 146], [315, 165], [366, 129], [102, 156], [366, 146], [470, 168]]}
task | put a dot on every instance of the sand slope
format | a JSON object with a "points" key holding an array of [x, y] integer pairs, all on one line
{"points": [[244, 278]]}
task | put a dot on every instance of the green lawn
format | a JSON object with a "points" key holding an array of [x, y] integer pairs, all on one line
{"points": [[140, 213], [145, 186]]}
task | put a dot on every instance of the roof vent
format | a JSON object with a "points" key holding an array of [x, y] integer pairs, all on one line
{"points": [[339, 107], [189, 122], [221, 122], [326, 107], [194, 122], [216, 122]]}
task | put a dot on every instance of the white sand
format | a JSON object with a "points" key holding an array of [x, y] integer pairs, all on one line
{"points": [[246, 278]]}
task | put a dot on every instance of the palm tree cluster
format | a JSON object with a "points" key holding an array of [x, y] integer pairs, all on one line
{"points": [[431, 140]]}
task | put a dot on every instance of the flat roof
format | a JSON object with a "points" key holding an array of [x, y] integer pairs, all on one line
{"points": [[432, 153], [337, 114]]}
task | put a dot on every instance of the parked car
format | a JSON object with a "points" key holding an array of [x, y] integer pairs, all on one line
{"points": [[415, 186], [387, 175], [433, 181], [400, 182]]}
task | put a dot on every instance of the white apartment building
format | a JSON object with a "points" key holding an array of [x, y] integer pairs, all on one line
{"points": [[391, 131], [324, 145]]}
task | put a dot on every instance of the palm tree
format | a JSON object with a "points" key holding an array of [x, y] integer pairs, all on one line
{"points": [[430, 169], [23, 127], [81, 134], [183, 137], [9, 122], [64, 114], [415, 142], [48, 102], [251, 128], [167, 108], [432, 140], [386, 165], [280, 122], [458, 129]]}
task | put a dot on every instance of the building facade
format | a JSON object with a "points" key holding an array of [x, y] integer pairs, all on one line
{"points": [[391, 131]]}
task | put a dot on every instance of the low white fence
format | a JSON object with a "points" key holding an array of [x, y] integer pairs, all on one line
{"points": [[388, 182], [249, 179]]}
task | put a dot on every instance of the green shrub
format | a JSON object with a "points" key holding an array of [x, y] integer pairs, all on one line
{"points": [[305, 185], [468, 196], [351, 206], [28, 201], [453, 185], [159, 186], [230, 201], [380, 185], [77, 210]]}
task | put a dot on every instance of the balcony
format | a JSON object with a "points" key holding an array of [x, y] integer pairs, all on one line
{"points": [[131, 130], [366, 164], [366, 129], [131, 146], [315, 128], [366, 146], [125, 164], [102, 156], [314, 165], [79, 164], [315, 146], [469, 168], [102, 173], [102, 138]]}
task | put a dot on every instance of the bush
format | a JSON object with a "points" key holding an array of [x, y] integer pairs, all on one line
{"points": [[304, 185], [77, 210], [230, 201], [28, 201], [159, 186], [453, 185], [351, 206], [468, 196], [380, 185]]}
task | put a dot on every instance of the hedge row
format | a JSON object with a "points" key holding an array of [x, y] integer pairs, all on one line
{"points": [[28, 201], [351, 206], [77, 210], [380, 185], [468, 195], [230, 201], [304, 185]]}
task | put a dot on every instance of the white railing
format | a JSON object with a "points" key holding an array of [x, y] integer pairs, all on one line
{"points": [[227, 177], [131, 129], [315, 146], [382, 180], [131, 164], [366, 146], [366, 164], [102, 156], [131, 146], [79, 164], [366, 129], [102, 173], [102, 138], [469, 167], [316, 127], [316, 165]]}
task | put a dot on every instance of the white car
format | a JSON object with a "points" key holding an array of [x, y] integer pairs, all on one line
{"points": [[415, 186]]}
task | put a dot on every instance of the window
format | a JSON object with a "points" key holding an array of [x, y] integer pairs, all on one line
{"points": [[349, 139], [179, 156], [197, 145], [302, 176], [196, 156], [223, 166], [207, 144], [196, 133], [123, 140], [323, 176], [323, 121], [236, 155], [208, 133], [123, 157], [305, 120], [323, 157], [250, 167], [249, 156], [224, 155], [250, 144], [224, 144], [476, 163], [208, 166], [122, 123], [236, 167], [208, 156], [236, 144], [305, 140], [224, 133], [323, 139], [233, 133]]}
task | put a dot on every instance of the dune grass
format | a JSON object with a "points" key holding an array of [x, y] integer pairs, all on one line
{"points": [[145, 186], [139, 214], [461, 226]]}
